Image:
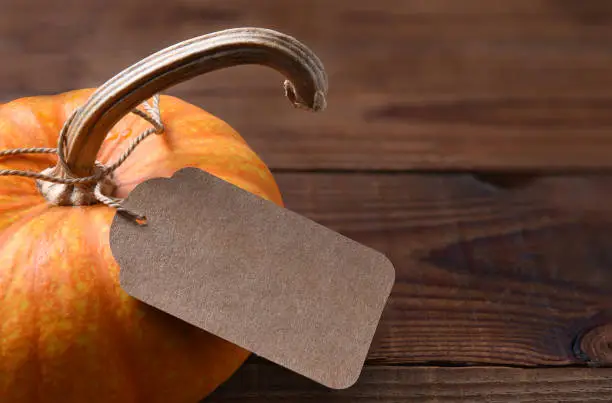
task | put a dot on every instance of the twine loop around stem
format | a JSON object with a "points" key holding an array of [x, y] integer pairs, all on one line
{"points": [[151, 114]]}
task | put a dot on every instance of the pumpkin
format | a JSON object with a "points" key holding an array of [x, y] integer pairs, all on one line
{"points": [[68, 332]]}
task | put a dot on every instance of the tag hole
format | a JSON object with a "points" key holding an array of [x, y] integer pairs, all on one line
{"points": [[142, 221]]}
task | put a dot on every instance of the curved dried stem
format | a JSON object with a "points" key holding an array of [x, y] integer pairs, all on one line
{"points": [[306, 86]]}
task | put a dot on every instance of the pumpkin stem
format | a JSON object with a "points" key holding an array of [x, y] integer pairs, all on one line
{"points": [[306, 88]]}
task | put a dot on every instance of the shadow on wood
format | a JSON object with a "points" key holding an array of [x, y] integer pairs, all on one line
{"points": [[262, 382]]}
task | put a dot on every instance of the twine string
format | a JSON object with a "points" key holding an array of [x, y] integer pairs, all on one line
{"points": [[150, 112]]}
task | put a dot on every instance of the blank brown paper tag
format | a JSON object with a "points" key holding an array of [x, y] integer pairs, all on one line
{"points": [[253, 273]]}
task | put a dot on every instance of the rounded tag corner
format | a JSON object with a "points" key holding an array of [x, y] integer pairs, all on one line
{"points": [[346, 383], [389, 269]]}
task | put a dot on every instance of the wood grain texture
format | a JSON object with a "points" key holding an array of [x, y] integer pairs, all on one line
{"points": [[271, 384], [516, 276], [440, 84]]}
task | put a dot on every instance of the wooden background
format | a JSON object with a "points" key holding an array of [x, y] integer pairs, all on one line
{"points": [[470, 141]]}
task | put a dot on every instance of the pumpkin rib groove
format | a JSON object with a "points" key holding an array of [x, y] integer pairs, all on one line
{"points": [[19, 206], [50, 127], [43, 136], [12, 228], [38, 371], [111, 322], [27, 274]]}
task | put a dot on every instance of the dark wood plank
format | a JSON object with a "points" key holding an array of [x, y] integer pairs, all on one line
{"points": [[439, 84], [515, 276], [271, 384]]}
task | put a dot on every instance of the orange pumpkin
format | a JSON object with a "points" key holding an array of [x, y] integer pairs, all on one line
{"points": [[68, 332]]}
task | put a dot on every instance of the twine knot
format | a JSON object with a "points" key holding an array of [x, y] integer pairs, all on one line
{"points": [[100, 179]]}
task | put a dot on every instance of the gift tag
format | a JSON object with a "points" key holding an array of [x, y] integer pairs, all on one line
{"points": [[253, 273]]}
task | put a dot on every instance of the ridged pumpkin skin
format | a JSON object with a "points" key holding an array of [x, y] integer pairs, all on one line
{"points": [[68, 332]]}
